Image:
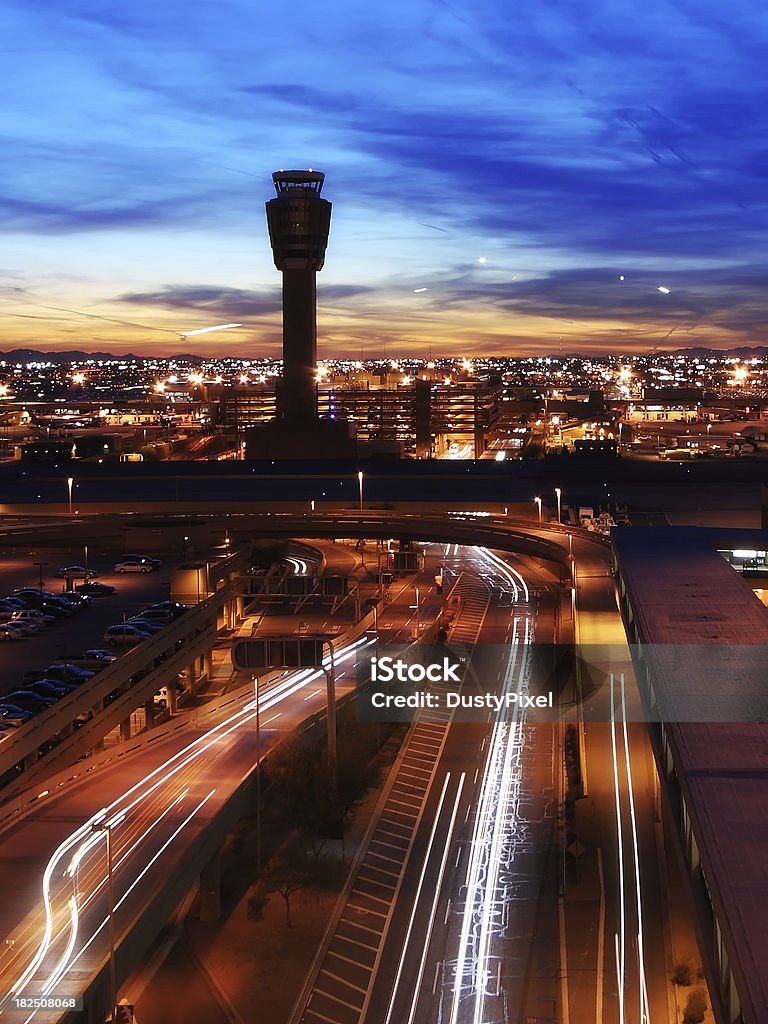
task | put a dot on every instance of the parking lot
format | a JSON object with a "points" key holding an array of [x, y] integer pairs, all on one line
{"points": [[84, 628]]}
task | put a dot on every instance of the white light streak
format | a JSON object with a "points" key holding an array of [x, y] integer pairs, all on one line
{"points": [[207, 330]]}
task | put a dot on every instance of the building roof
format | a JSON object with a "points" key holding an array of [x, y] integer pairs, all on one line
{"points": [[682, 592]]}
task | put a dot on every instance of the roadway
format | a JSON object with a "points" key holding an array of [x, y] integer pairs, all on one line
{"points": [[155, 804], [451, 912]]}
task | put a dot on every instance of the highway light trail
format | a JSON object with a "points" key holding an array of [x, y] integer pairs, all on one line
{"points": [[621, 937], [493, 844], [139, 818], [511, 575]]}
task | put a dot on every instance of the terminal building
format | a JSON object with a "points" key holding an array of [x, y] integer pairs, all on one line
{"points": [[699, 636]]}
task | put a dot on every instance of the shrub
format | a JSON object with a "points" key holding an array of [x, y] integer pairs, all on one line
{"points": [[681, 974], [695, 1007]]}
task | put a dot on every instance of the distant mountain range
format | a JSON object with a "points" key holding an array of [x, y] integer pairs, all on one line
{"points": [[31, 355]]}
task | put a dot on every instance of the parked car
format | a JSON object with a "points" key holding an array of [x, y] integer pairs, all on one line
{"points": [[156, 563], [38, 591], [13, 715], [76, 572], [95, 589], [25, 626], [33, 615], [174, 607], [69, 673], [11, 631], [78, 600], [29, 700], [125, 635], [132, 565], [58, 609], [148, 625], [8, 604], [49, 688], [97, 654], [157, 614]]}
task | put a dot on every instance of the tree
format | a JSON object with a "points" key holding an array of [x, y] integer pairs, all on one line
{"points": [[289, 872]]}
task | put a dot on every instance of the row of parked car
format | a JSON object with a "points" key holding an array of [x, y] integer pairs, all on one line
{"points": [[128, 563], [43, 687], [143, 625], [29, 609]]}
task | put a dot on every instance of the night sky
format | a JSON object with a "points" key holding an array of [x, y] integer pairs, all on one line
{"points": [[512, 162]]}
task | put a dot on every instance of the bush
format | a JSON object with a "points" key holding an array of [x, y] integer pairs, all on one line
{"points": [[695, 1007], [681, 974]]}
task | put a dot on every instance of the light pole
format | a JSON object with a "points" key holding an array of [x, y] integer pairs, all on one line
{"points": [[330, 682], [85, 549], [312, 505], [538, 505], [417, 613], [40, 564], [558, 494], [360, 484], [70, 481], [106, 828], [258, 777]]}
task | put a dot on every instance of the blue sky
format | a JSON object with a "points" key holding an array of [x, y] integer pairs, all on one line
{"points": [[514, 161]]}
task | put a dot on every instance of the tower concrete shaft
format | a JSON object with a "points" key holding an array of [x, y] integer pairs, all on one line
{"points": [[299, 222]]}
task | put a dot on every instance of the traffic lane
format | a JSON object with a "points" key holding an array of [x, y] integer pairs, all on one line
{"points": [[27, 846], [527, 944], [462, 755]]}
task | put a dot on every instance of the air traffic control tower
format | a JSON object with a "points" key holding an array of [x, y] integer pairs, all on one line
{"points": [[299, 222]]}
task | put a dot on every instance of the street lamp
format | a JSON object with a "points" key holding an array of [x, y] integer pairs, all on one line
{"points": [[40, 564], [538, 505], [558, 493], [417, 613], [360, 484], [70, 481], [106, 827], [258, 778]]}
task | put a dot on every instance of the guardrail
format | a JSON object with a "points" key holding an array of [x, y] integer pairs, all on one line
{"points": [[147, 660], [205, 716]]}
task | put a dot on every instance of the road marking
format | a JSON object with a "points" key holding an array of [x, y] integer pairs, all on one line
{"points": [[414, 908], [600, 941], [337, 999], [342, 981]]}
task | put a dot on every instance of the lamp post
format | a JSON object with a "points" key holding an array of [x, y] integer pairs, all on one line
{"points": [[558, 493], [40, 564], [85, 550], [538, 505], [106, 828], [70, 482], [330, 682], [360, 485], [258, 777], [417, 614]]}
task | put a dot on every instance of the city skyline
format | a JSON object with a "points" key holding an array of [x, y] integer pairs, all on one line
{"points": [[500, 185]]}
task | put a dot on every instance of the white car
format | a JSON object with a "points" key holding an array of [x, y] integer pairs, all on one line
{"points": [[124, 636], [129, 565]]}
